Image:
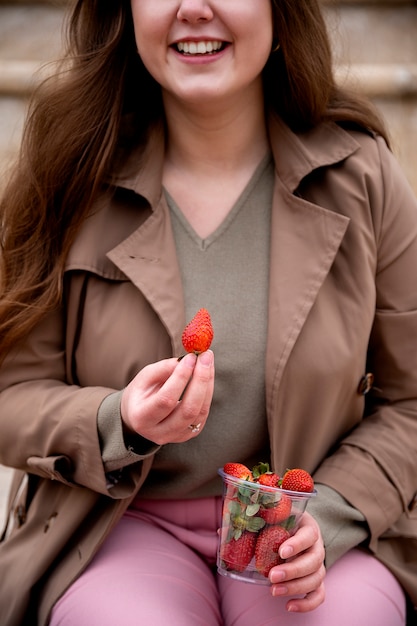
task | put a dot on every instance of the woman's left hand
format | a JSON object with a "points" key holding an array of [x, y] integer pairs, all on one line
{"points": [[303, 572]]}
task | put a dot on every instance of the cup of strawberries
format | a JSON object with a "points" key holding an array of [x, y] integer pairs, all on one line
{"points": [[260, 511]]}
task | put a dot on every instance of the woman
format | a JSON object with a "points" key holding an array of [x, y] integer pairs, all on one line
{"points": [[191, 154]]}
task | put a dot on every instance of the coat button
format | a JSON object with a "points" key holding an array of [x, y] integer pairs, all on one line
{"points": [[366, 384]]}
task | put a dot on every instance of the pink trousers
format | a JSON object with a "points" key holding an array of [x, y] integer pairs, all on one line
{"points": [[158, 567]]}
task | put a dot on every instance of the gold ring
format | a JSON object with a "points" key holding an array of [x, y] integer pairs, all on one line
{"points": [[195, 428]]}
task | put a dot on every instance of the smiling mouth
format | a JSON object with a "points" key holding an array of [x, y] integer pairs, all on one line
{"points": [[199, 47]]}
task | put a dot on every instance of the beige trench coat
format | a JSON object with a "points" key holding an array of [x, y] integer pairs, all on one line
{"points": [[343, 274]]}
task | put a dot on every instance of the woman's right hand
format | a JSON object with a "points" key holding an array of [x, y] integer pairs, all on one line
{"points": [[165, 399]]}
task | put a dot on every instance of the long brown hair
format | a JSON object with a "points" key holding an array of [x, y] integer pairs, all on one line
{"points": [[75, 124], [299, 78]]}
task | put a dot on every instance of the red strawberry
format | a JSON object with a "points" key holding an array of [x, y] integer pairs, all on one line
{"points": [[278, 512], [269, 479], [297, 480], [238, 470], [198, 334], [263, 475], [267, 546], [238, 553]]}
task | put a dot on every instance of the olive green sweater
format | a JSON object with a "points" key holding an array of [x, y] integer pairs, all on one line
{"points": [[227, 273]]}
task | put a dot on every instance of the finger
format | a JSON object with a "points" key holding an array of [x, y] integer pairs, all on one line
{"points": [[187, 419], [307, 536], [300, 586], [196, 401], [156, 374], [154, 393], [310, 602], [300, 566], [165, 399]]}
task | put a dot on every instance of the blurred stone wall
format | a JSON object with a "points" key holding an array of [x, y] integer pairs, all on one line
{"points": [[375, 46]]}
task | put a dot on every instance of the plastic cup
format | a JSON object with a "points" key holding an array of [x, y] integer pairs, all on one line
{"points": [[255, 515]]}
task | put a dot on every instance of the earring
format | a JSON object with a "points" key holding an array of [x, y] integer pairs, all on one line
{"points": [[276, 47]]}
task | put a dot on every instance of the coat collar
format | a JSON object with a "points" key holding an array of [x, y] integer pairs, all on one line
{"points": [[141, 172], [295, 156], [304, 240]]}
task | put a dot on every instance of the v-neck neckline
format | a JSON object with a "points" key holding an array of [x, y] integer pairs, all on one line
{"points": [[204, 243]]}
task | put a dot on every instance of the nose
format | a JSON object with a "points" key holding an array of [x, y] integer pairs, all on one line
{"points": [[194, 11]]}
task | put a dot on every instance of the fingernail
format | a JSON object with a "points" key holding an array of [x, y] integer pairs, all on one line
{"points": [[206, 358], [277, 576], [190, 359], [279, 591], [286, 552]]}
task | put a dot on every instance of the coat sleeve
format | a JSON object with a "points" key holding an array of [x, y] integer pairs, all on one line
{"points": [[49, 427], [375, 466]]}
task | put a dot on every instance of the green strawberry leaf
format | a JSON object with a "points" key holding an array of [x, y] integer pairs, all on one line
{"points": [[289, 523], [268, 500], [234, 508], [252, 509], [245, 494], [255, 524], [260, 468]]}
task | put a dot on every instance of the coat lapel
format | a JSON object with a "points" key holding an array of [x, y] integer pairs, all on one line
{"points": [[305, 239], [148, 258]]}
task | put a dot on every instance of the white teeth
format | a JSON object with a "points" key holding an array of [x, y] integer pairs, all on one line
{"points": [[200, 47]]}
